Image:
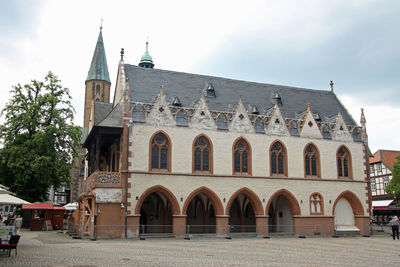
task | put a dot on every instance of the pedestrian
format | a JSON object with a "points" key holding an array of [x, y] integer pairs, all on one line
{"points": [[18, 224], [395, 227]]}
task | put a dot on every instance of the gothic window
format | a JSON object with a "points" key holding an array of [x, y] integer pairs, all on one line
{"points": [[311, 161], [241, 157], [278, 159], [97, 89], [160, 153], [202, 155], [343, 163], [316, 204]]}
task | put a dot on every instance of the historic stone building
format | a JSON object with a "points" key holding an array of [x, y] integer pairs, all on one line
{"points": [[183, 153]]}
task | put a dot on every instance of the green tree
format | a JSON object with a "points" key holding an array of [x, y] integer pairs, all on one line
{"points": [[39, 138], [393, 187]]}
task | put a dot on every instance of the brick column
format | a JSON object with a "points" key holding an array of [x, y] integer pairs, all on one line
{"points": [[133, 225], [222, 222], [179, 225], [363, 223], [261, 225]]}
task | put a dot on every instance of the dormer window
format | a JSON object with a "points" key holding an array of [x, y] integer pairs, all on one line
{"points": [[276, 98], [176, 102], [210, 91]]}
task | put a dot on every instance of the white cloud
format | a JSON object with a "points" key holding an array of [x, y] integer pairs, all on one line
{"points": [[383, 123], [182, 34]]}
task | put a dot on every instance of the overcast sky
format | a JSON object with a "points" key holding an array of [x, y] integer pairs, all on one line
{"points": [[297, 43]]}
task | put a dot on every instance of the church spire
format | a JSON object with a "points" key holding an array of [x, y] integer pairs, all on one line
{"points": [[146, 61], [98, 68], [97, 84]]}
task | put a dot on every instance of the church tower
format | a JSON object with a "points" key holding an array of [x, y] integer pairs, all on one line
{"points": [[98, 80]]}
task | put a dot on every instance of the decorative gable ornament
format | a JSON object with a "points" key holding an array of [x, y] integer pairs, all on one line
{"points": [[240, 121], [201, 118], [277, 125], [160, 114], [340, 131], [309, 126]]}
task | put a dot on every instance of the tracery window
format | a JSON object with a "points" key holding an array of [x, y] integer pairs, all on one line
{"points": [[160, 149], [343, 163], [241, 157], [202, 155], [278, 159], [311, 161], [316, 204]]}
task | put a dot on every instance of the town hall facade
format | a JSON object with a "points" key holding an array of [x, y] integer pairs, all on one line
{"points": [[177, 154]]}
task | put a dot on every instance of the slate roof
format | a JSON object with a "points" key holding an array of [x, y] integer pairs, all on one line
{"points": [[101, 111], [145, 86], [98, 68]]}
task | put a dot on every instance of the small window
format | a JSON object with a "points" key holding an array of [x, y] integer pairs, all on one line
{"points": [[97, 89], [385, 182], [371, 169], [373, 187], [379, 167], [316, 204]]}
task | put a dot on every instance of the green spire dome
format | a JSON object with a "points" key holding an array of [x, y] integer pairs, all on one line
{"points": [[98, 68], [146, 61]]}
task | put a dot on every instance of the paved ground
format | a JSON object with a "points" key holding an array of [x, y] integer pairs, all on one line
{"points": [[58, 249]]}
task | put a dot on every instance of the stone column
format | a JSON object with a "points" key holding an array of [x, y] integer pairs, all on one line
{"points": [[222, 222], [179, 225], [262, 225]]}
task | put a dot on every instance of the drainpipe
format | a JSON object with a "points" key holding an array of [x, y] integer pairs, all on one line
{"points": [[126, 182]]}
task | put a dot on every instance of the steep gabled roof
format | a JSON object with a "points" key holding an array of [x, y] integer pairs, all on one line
{"points": [[385, 156], [145, 85], [98, 68]]}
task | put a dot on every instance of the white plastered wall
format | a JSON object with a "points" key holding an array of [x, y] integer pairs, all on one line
{"points": [[224, 185]]}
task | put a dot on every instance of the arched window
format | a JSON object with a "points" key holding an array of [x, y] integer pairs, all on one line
{"points": [[343, 163], [311, 161], [316, 204], [160, 148], [241, 157], [202, 155], [278, 159], [97, 89]]}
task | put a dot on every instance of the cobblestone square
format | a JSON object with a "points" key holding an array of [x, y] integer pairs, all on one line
{"points": [[59, 249]]}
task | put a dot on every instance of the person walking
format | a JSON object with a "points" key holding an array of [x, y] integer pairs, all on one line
{"points": [[18, 225], [395, 227]]}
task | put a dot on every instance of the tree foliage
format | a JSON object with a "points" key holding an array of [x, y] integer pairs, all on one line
{"points": [[39, 138], [393, 187]]}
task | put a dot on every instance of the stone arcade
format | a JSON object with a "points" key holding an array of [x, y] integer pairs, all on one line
{"points": [[178, 153]]}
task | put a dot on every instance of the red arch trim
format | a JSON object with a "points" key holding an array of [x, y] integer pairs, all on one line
{"points": [[216, 202], [353, 200], [293, 203], [254, 200], [163, 190]]}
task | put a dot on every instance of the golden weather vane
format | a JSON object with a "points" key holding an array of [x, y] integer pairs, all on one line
{"points": [[101, 23]]}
